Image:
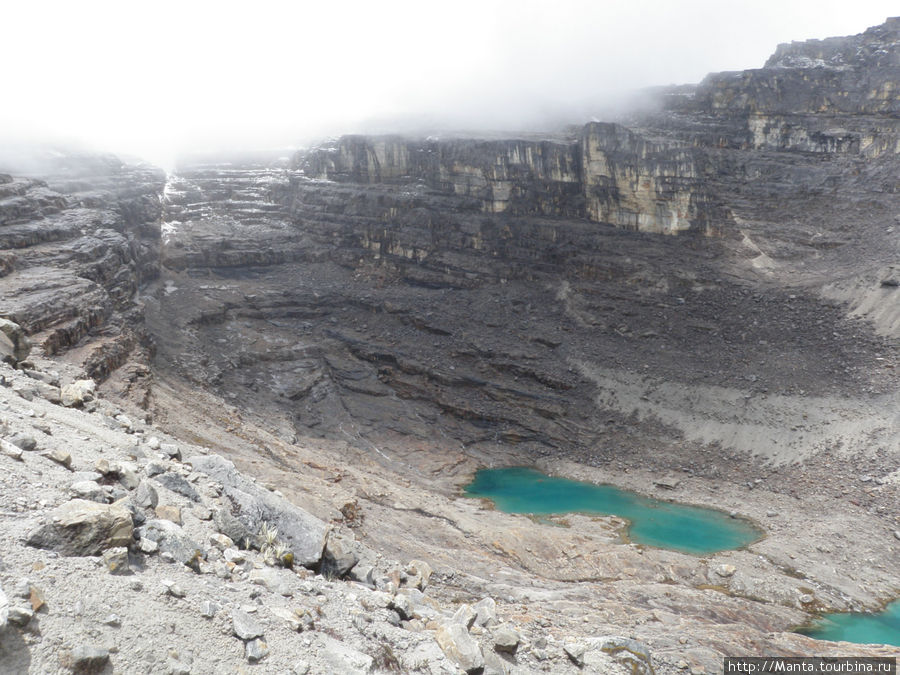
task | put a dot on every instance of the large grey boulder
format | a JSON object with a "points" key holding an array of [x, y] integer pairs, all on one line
{"points": [[459, 646], [14, 344], [171, 538], [253, 505], [82, 527]]}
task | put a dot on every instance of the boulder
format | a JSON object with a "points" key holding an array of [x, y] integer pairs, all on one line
{"points": [[145, 496], [85, 659], [303, 533], [169, 512], [82, 527], [14, 344], [173, 540], [338, 557], [506, 639], [485, 612], [459, 646], [77, 393], [116, 560], [276, 580], [418, 574], [245, 626]]}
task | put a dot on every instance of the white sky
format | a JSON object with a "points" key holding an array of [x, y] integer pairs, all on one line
{"points": [[155, 77]]}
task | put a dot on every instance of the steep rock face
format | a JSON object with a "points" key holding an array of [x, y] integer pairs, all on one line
{"points": [[78, 244], [851, 75], [646, 185], [609, 175], [838, 95], [388, 285]]}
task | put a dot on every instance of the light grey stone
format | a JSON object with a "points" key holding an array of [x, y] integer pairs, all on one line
{"points": [[4, 610], [245, 626], [465, 614], [145, 496], [506, 639], [90, 490], [278, 581], [10, 450], [171, 451], [486, 612], [634, 655], [256, 650], [155, 469], [172, 540], [61, 457], [303, 533], [455, 641]]}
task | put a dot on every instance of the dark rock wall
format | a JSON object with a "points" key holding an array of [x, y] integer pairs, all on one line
{"points": [[608, 175], [77, 246]]}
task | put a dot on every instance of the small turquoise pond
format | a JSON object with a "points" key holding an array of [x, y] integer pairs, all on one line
{"points": [[882, 628], [679, 527]]}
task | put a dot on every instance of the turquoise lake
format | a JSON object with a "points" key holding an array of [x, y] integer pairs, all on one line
{"points": [[882, 628], [678, 527]]}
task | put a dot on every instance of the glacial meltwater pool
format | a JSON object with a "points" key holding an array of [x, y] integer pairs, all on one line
{"points": [[679, 527], [880, 628]]}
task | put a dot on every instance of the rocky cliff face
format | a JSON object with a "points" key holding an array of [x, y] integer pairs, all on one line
{"points": [[608, 175], [78, 244]]}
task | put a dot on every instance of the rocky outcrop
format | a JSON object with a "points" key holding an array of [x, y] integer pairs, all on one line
{"points": [[78, 245], [608, 175]]}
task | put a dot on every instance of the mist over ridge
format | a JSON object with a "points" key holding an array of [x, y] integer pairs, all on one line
{"points": [[214, 76]]}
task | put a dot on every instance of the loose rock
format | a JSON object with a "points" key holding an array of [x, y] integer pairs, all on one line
{"points": [[245, 626], [458, 645], [81, 527], [256, 650], [506, 639], [14, 344], [85, 659], [116, 560], [168, 512], [61, 457], [77, 393], [338, 557]]}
